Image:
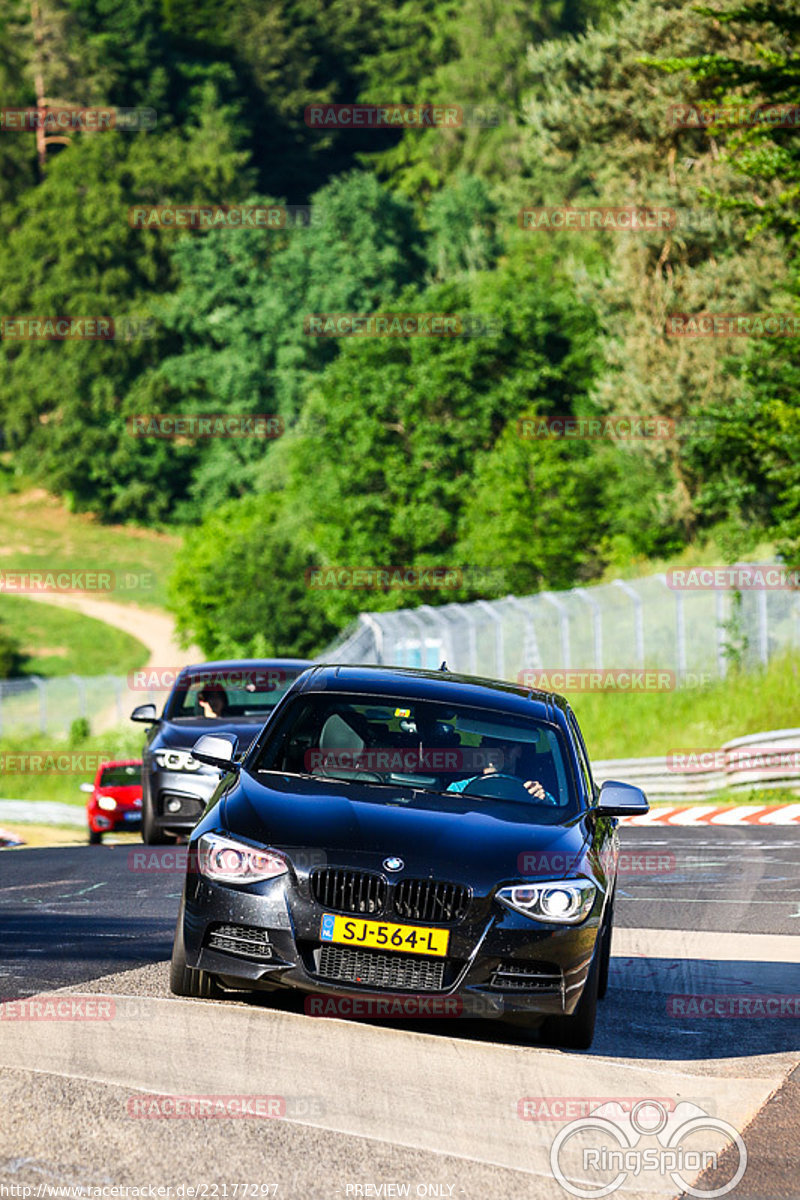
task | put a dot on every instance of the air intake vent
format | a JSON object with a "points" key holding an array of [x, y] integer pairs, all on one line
{"points": [[390, 972], [246, 940], [527, 977]]}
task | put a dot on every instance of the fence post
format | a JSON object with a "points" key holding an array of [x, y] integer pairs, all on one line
{"points": [[597, 623], [376, 628], [39, 682], [638, 615], [680, 628], [722, 662], [81, 688], [499, 643], [763, 627], [564, 622], [530, 646]]}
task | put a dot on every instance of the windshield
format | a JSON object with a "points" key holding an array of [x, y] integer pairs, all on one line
{"points": [[441, 748], [121, 776], [249, 692]]}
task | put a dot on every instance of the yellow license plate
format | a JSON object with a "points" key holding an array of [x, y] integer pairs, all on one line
{"points": [[384, 935]]}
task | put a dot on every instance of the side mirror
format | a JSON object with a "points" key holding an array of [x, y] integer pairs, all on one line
{"points": [[217, 750], [87, 787], [621, 800], [145, 713]]}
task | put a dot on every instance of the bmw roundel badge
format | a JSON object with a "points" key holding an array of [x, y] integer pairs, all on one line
{"points": [[393, 864]]}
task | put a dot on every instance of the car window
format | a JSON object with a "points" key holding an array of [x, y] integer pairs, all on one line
{"points": [[583, 760], [445, 748], [121, 776], [231, 693]]}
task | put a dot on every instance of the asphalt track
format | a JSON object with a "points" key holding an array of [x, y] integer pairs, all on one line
{"points": [[385, 1108]]}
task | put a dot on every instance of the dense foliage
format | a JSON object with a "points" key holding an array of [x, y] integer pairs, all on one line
{"points": [[402, 451]]}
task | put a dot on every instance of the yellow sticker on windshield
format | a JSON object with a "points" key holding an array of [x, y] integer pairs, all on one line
{"points": [[402, 712]]}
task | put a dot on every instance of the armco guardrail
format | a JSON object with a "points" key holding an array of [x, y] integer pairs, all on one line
{"points": [[760, 760]]}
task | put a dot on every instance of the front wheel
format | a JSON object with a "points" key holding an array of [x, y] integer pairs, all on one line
{"points": [[152, 834], [95, 837], [185, 981]]}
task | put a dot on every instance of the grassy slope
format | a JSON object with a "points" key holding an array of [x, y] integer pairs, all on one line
{"points": [[124, 742], [38, 533], [637, 726], [57, 641]]}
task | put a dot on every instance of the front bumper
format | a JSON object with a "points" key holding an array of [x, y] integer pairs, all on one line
{"points": [[499, 962], [190, 791]]}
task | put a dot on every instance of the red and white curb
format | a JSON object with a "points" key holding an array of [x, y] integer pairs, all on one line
{"points": [[714, 814]]}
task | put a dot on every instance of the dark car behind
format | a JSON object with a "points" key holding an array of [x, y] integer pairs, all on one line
{"points": [[175, 786]]}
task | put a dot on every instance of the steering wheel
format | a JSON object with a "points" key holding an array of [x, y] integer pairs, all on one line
{"points": [[499, 786]]}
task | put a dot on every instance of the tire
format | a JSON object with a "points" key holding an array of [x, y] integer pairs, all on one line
{"points": [[152, 834], [576, 1032], [605, 951], [183, 980], [95, 837]]}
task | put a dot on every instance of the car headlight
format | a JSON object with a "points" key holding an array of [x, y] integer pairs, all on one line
{"points": [[565, 902], [107, 803], [176, 760], [226, 860]]}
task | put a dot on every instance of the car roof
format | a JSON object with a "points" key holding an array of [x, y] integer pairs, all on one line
{"points": [[243, 664], [415, 684]]}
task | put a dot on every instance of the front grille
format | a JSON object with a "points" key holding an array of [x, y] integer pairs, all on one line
{"points": [[247, 940], [349, 891], [527, 977], [429, 900], [387, 971]]}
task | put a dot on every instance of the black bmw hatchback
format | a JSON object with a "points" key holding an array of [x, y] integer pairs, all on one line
{"points": [[397, 833], [234, 697]]}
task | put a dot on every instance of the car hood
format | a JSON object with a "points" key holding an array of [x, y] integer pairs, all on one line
{"points": [[457, 837], [182, 734]]}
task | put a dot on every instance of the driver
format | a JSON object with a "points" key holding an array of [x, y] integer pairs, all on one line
{"points": [[511, 755], [212, 700]]}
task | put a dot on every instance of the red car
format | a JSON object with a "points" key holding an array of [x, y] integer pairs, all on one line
{"points": [[116, 798]]}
